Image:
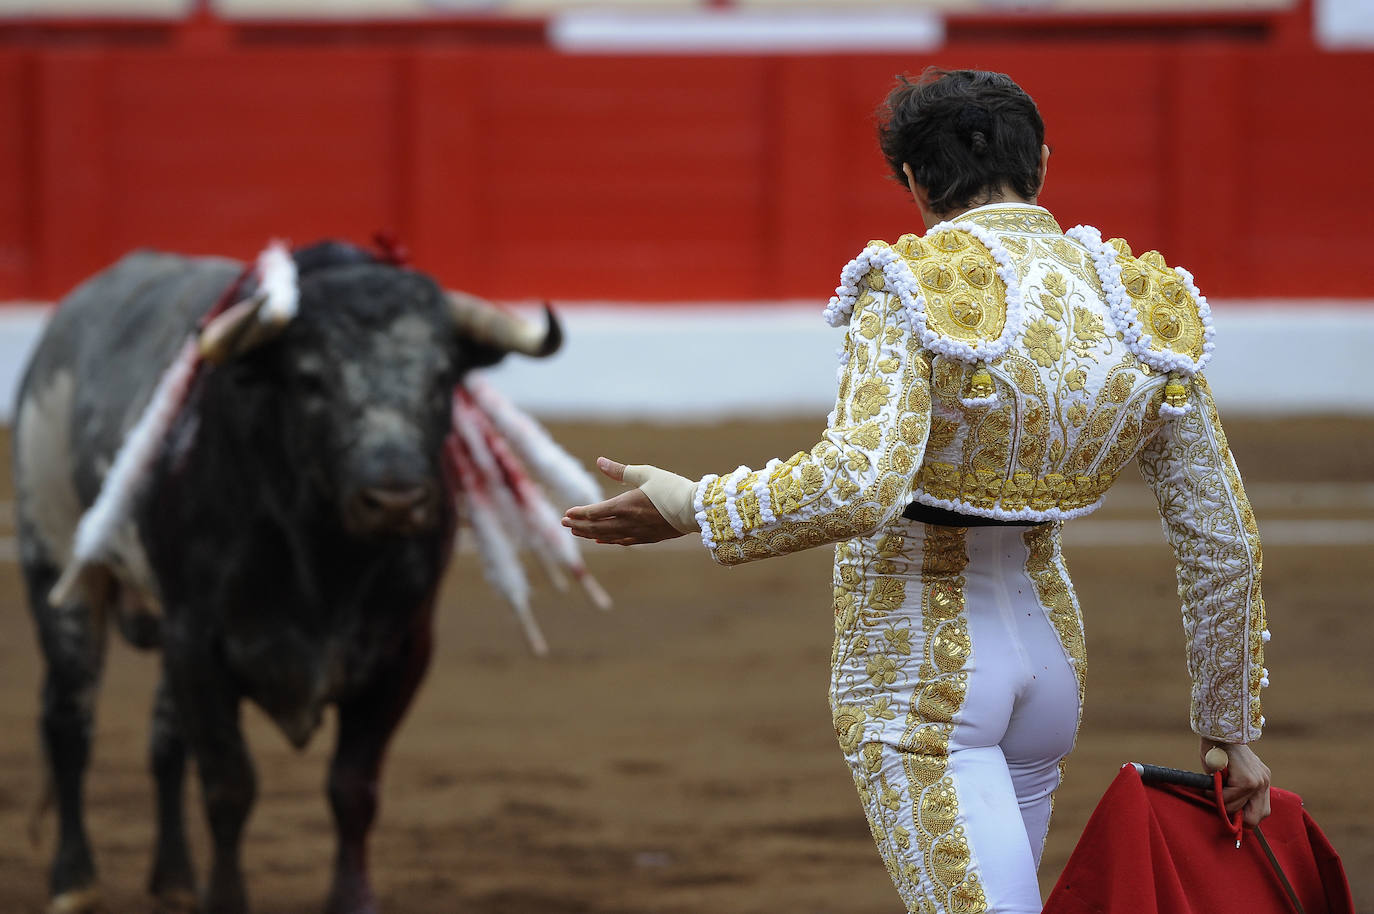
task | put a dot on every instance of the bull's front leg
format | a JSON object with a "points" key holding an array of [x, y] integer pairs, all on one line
{"points": [[172, 881], [73, 640], [208, 715], [366, 724]]}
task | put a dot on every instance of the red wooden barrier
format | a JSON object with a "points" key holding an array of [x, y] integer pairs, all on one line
{"points": [[517, 171]]}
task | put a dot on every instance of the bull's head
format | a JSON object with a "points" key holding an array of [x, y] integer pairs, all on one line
{"points": [[358, 383]]}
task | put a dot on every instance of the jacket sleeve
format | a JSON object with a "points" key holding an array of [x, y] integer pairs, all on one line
{"points": [[1208, 522], [860, 473]]}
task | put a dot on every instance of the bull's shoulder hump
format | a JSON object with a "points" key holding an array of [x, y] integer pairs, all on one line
{"points": [[145, 267], [116, 331], [144, 283]]}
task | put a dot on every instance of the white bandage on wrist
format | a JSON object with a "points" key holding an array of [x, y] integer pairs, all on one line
{"points": [[671, 494]]}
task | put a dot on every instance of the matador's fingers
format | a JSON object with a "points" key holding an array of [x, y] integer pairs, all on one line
{"points": [[629, 516], [1257, 809], [611, 468], [602, 528], [602, 510], [612, 535]]}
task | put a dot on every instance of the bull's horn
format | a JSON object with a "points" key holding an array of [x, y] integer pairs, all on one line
{"points": [[258, 318], [486, 323], [227, 335]]}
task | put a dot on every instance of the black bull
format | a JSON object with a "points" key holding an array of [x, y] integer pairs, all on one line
{"points": [[287, 547]]}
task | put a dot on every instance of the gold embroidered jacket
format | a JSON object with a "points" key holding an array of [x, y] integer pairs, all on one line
{"points": [[1000, 367]]}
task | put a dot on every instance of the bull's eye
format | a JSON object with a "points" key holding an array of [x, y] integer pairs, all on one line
{"points": [[312, 384]]}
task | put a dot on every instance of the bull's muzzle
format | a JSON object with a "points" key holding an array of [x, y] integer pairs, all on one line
{"points": [[392, 509]]}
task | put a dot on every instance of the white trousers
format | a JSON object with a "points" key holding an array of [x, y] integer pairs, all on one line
{"points": [[956, 690]]}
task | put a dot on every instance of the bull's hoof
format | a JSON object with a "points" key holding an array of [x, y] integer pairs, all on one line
{"points": [[176, 901], [352, 899], [78, 901]]}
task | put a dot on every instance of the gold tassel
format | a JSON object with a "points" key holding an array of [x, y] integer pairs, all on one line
{"points": [[980, 383], [1176, 392]]}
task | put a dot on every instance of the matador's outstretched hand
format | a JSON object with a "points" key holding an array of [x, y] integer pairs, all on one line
{"points": [[659, 508]]}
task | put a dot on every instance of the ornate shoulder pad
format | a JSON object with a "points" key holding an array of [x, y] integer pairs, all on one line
{"points": [[1161, 314], [965, 299], [1172, 312], [960, 290], [872, 269]]}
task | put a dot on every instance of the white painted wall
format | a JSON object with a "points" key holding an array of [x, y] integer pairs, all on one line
{"points": [[759, 360], [1344, 25], [19, 328], [697, 362]]}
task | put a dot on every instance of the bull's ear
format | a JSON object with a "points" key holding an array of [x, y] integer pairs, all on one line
{"points": [[481, 322]]}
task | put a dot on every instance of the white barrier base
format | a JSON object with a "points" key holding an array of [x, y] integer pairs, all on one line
{"points": [[694, 362]]}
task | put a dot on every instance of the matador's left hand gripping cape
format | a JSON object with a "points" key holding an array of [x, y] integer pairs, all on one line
{"points": [[1000, 367]]}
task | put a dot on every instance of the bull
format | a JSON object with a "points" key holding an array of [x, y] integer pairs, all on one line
{"points": [[286, 546]]}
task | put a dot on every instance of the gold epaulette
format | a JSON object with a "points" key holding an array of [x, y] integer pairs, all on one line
{"points": [[1172, 315], [965, 299]]}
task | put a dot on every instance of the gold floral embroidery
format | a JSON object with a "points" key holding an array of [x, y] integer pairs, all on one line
{"points": [[1210, 526], [866, 643], [1014, 219], [1066, 253], [937, 276], [869, 399], [941, 846], [883, 670], [950, 242], [1054, 282], [912, 428], [868, 436], [1119, 389], [942, 433], [990, 443], [1063, 428], [1099, 416], [859, 474], [901, 775], [849, 723], [1052, 307], [748, 507], [860, 359], [965, 298], [881, 708], [988, 487], [1088, 330], [1044, 565], [1167, 310], [1043, 342]]}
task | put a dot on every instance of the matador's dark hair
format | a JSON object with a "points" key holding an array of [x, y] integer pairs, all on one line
{"points": [[965, 133]]}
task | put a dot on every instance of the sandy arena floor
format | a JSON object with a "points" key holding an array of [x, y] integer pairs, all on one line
{"points": [[676, 755]]}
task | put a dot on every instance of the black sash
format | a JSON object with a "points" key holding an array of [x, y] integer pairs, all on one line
{"points": [[940, 517]]}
